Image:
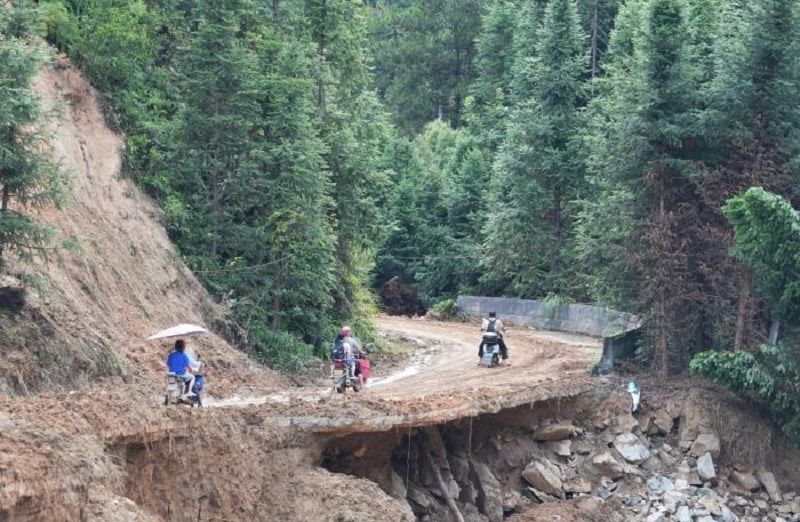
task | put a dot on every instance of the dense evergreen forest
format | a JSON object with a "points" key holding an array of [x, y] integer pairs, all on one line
{"points": [[305, 152]]}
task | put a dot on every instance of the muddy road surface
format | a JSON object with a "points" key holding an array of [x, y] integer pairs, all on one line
{"points": [[441, 382], [450, 359]]}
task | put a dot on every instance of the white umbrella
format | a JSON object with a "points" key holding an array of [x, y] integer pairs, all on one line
{"points": [[181, 330]]}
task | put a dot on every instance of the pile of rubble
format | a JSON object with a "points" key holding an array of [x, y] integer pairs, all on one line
{"points": [[664, 465]]}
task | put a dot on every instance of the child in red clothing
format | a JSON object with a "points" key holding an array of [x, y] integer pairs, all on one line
{"points": [[363, 363]]}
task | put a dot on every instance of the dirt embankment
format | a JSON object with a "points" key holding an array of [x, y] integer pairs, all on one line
{"points": [[120, 281]]}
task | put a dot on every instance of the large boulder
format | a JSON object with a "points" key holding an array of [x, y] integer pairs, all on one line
{"points": [[705, 468], [490, 494], [745, 480], [544, 476], [631, 448], [706, 443], [607, 465], [770, 484], [559, 431]]}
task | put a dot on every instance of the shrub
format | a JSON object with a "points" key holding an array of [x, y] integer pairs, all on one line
{"points": [[771, 378], [280, 350]]}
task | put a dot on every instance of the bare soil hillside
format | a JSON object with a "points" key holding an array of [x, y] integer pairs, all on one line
{"points": [[120, 282]]}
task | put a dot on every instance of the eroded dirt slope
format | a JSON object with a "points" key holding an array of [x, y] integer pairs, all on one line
{"points": [[120, 282]]}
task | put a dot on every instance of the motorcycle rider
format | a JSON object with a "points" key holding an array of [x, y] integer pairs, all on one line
{"points": [[493, 324], [178, 363]]}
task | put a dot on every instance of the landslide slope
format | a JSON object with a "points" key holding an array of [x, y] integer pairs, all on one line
{"points": [[120, 282]]}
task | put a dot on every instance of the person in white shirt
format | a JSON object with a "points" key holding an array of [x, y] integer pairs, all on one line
{"points": [[493, 324]]}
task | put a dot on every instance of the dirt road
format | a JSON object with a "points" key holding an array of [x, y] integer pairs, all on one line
{"points": [[447, 376], [441, 382], [450, 364]]}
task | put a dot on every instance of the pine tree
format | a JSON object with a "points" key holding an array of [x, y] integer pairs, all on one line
{"points": [[538, 163], [424, 53], [526, 39], [29, 175], [255, 220], [647, 151], [493, 63], [354, 127]]}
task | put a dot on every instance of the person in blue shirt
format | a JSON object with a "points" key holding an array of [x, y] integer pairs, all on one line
{"points": [[180, 364]]}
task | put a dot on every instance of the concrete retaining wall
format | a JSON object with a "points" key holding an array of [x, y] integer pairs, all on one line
{"points": [[619, 330], [573, 318]]}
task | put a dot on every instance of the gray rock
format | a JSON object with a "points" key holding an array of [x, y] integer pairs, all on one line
{"points": [[658, 516], [582, 447], [607, 465], [659, 485], [673, 499], [728, 515], [631, 448], [397, 487], [770, 484], [705, 468], [745, 480], [490, 494], [560, 431], [626, 423], [418, 497], [683, 514], [544, 476], [578, 485], [560, 447], [705, 443], [460, 468]]}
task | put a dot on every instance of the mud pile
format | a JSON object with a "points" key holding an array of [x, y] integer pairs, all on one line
{"points": [[120, 280]]}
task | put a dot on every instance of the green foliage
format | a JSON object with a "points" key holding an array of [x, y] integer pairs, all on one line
{"points": [[435, 214], [584, 150], [539, 166], [280, 349], [770, 377], [63, 28], [768, 240], [423, 57], [29, 175]]}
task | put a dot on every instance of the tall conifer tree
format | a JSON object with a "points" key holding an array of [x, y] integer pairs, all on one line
{"points": [[538, 165]]}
